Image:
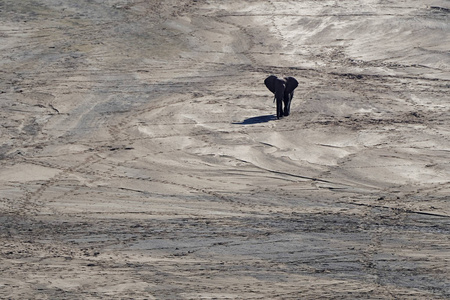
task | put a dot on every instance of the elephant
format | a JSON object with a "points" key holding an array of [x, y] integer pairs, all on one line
{"points": [[283, 89]]}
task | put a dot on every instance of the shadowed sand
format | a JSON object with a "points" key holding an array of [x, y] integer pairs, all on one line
{"points": [[141, 157]]}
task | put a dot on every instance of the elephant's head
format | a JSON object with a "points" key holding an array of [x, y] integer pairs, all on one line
{"points": [[283, 89]]}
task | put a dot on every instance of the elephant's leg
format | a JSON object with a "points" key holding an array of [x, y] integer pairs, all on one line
{"points": [[279, 95], [279, 107], [287, 105]]}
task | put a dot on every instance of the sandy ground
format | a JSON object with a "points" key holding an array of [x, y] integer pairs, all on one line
{"points": [[140, 156]]}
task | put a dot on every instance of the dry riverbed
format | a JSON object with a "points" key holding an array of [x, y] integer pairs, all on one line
{"points": [[140, 156]]}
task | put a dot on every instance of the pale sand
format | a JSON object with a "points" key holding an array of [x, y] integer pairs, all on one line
{"points": [[141, 157]]}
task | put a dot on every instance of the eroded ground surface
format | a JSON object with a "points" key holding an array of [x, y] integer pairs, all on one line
{"points": [[140, 157]]}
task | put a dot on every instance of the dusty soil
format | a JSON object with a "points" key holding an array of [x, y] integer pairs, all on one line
{"points": [[140, 156]]}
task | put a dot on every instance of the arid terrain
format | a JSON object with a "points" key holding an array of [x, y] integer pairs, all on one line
{"points": [[141, 157]]}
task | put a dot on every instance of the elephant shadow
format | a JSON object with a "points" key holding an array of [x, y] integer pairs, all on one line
{"points": [[257, 120]]}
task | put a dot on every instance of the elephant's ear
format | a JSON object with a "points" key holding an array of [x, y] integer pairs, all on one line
{"points": [[291, 84], [270, 83]]}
